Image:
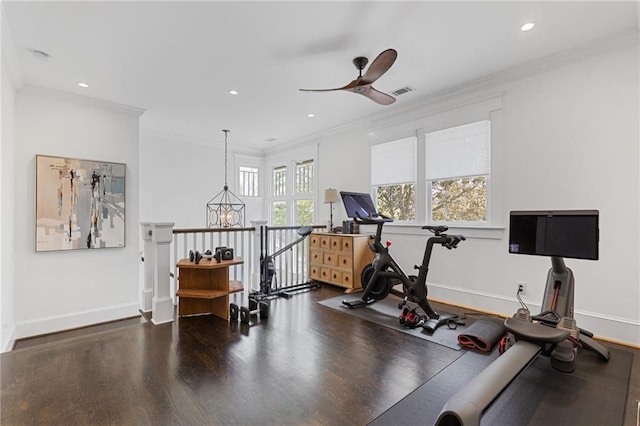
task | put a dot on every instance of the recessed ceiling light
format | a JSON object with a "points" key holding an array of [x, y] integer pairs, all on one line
{"points": [[528, 26], [83, 85], [311, 115], [233, 92]]}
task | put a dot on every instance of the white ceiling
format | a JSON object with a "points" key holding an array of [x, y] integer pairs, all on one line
{"points": [[178, 60]]}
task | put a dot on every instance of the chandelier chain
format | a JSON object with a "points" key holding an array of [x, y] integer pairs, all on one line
{"points": [[226, 132]]}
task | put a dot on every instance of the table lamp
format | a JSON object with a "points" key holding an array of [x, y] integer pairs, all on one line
{"points": [[331, 196]]}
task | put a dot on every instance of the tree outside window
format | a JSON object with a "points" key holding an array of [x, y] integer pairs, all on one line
{"points": [[279, 213], [397, 201], [459, 200]]}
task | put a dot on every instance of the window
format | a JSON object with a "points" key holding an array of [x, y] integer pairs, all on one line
{"points": [[279, 181], [458, 166], [249, 181], [304, 177], [292, 200], [304, 192], [393, 178], [279, 213]]}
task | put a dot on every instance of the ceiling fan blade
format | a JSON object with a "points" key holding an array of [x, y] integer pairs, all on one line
{"points": [[349, 86], [379, 97], [379, 66]]}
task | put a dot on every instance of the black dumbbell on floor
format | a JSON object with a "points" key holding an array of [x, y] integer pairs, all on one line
{"points": [[255, 308]]}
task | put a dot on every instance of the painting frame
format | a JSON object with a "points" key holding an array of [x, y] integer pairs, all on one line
{"points": [[80, 204]]}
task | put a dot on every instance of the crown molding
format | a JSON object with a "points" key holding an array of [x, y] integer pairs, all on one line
{"points": [[175, 137], [10, 62], [81, 100]]}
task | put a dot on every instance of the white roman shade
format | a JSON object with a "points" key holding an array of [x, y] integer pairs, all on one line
{"points": [[393, 162], [459, 151]]}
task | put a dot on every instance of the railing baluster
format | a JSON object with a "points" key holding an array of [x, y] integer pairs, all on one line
{"points": [[291, 266]]}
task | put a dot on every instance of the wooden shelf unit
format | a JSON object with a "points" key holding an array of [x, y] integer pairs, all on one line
{"points": [[204, 288], [339, 259]]}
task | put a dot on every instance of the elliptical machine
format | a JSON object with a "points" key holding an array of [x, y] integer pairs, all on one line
{"points": [[380, 277]]}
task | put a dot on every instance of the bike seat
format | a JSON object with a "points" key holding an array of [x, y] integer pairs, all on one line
{"points": [[436, 229], [536, 333]]}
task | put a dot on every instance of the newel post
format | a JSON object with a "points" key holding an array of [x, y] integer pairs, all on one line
{"points": [[258, 226], [162, 304], [147, 254]]}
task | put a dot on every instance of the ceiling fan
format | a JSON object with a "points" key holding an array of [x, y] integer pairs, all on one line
{"points": [[362, 84]]}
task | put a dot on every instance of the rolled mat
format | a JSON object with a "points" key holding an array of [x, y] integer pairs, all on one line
{"points": [[482, 334]]}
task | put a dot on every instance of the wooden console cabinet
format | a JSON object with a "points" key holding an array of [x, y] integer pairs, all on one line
{"points": [[339, 259], [204, 288]]}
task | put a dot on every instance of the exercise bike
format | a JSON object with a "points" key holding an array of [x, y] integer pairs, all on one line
{"points": [[380, 277]]}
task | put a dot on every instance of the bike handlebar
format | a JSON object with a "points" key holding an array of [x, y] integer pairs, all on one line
{"points": [[452, 241]]}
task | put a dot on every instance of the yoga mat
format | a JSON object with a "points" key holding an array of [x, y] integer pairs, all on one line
{"points": [[483, 334], [595, 394], [385, 312]]}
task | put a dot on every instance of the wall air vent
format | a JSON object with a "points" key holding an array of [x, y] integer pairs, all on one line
{"points": [[402, 90]]}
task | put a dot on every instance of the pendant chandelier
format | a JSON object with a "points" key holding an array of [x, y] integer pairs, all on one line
{"points": [[225, 209]]}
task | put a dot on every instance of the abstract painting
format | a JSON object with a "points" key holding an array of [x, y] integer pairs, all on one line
{"points": [[80, 204]]}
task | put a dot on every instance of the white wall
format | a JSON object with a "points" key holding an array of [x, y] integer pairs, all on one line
{"points": [[565, 139], [180, 175], [7, 213], [60, 290]]}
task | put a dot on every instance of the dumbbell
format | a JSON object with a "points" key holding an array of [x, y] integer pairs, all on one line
{"points": [[197, 256], [255, 308]]}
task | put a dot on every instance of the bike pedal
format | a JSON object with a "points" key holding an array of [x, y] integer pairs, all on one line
{"points": [[403, 316], [413, 319]]}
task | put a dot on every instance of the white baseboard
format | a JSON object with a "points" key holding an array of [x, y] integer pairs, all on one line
{"points": [[608, 327], [8, 342], [54, 324]]}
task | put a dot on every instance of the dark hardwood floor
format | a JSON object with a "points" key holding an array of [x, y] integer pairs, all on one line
{"points": [[306, 364]]}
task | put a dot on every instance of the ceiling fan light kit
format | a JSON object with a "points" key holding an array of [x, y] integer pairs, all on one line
{"points": [[362, 85]]}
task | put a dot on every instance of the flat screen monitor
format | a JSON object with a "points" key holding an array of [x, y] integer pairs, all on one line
{"points": [[358, 202], [562, 233]]}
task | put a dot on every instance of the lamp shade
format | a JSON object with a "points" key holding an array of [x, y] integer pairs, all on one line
{"points": [[331, 195]]}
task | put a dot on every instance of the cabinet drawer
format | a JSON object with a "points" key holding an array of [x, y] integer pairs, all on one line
{"points": [[314, 272], [347, 280], [336, 276], [346, 245], [314, 241], [325, 242], [345, 261], [316, 256], [325, 274], [330, 259]]}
